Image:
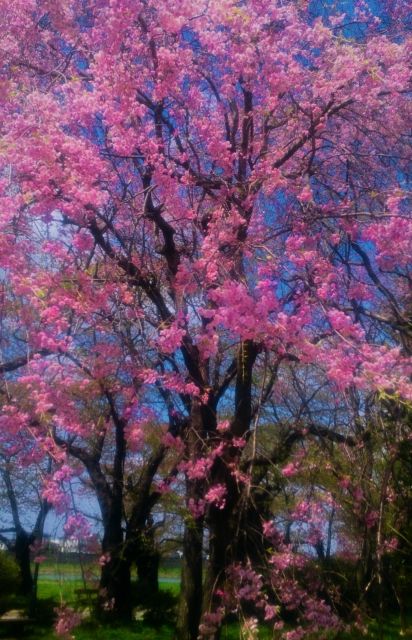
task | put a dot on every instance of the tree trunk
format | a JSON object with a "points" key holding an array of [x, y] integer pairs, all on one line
{"points": [[115, 582], [115, 585], [236, 535], [224, 538], [147, 563], [219, 544], [191, 590], [190, 603], [22, 555]]}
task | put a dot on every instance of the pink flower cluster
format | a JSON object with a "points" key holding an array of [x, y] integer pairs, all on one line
{"points": [[67, 620], [77, 527], [216, 496]]}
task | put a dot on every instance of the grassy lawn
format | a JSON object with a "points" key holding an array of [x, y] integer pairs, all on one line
{"points": [[135, 631], [58, 590], [65, 568], [388, 630], [71, 569], [60, 580], [142, 631], [93, 631], [59, 583]]}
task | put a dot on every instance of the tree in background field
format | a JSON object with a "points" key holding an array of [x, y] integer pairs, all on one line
{"points": [[195, 200], [90, 452], [23, 510], [23, 464]]}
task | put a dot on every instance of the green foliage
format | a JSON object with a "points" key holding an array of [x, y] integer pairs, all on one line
{"points": [[9, 579]]}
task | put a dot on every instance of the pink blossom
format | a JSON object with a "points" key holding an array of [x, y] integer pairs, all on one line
{"points": [[295, 634], [271, 611], [77, 527], [67, 620], [216, 496], [290, 470], [197, 469], [371, 518], [223, 425], [170, 339], [390, 545], [305, 195]]}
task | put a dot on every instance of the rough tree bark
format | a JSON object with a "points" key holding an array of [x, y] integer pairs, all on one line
{"points": [[190, 602]]}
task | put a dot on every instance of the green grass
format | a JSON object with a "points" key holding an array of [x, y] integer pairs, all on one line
{"points": [[389, 629], [169, 572], [66, 591], [58, 590], [68, 579], [103, 632], [136, 631], [174, 587], [142, 631], [64, 568], [74, 569]]}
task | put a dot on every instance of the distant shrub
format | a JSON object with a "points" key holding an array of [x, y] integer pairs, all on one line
{"points": [[9, 578], [161, 610]]}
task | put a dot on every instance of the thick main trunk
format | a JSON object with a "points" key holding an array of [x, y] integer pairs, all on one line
{"points": [[115, 584], [224, 533], [147, 560], [148, 573], [228, 537], [221, 532], [140, 532], [190, 603], [191, 592], [236, 536], [22, 555]]}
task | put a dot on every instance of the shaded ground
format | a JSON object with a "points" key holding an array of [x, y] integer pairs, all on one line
{"points": [[62, 582]]}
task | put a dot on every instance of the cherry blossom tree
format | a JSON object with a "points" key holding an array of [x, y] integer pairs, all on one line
{"points": [[221, 192]]}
